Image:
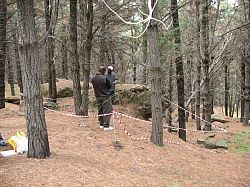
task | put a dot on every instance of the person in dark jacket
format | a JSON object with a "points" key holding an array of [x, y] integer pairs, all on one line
{"points": [[113, 81], [101, 87]]}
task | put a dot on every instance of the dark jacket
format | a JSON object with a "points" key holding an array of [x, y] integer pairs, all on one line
{"points": [[101, 85], [112, 78]]}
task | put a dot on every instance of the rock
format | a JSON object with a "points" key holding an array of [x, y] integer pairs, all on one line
{"points": [[200, 141], [210, 136], [141, 97], [13, 100], [117, 145], [218, 118], [65, 92], [214, 144], [50, 105]]}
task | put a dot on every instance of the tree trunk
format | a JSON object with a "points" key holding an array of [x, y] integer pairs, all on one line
{"points": [[242, 85], [103, 36], [155, 81], [247, 85], [144, 53], [226, 73], [198, 60], [179, 70], [75, 58], [64, 53], [86, 66], [9, 71], [170, 97], [206, 64], [38, 144], [50, 50], [3, 20], [18, 66]]}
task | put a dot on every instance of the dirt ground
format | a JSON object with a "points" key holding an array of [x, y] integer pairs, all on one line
{"points": [[82, 154]]}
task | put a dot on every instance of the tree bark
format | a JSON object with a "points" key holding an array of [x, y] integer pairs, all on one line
{"points": [[64, 53], [247, 85], [170, 97], [50, 50], [9, 71], [103, 36], [144, 51], [198, 61], [3, 20], [226, 73], [242, 101], [38, 144], [18, 66], [179, 71], [75, 58], [155, 80], [86, 66], [206, 64]]}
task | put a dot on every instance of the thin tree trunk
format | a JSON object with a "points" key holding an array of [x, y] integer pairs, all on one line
{"points": [[155, 80], [112, 55], [3, 20], [206, 63], [86, 67], [38, 144], [179, 71], [226, 73], [10, 72], [198, 81], [144, 51], [247, 85], [242, 85], [103, 34], [64, 53], [75, 58], [237, 107], [50, 50], [170, 97], [18, 66]]}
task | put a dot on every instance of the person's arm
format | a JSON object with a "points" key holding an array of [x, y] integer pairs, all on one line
{"points": [[108, 83], [116, 79]]}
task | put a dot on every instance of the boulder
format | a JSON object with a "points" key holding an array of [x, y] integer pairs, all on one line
{"points": [[214, 144], [218, 118], [65, 92], [141, 96], [13, 100], [50, 105]]}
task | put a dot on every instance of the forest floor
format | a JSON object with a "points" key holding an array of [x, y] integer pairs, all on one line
{"points": [[82, 154]]}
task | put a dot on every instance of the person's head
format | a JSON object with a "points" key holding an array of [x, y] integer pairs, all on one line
{"points": [[102, 70], [110, 69]]}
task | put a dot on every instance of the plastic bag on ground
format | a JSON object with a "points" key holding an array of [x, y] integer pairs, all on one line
{"points": [[19, 142]]}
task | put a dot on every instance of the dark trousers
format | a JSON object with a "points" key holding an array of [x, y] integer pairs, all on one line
{"points": [[104, 107], [112, 97]]}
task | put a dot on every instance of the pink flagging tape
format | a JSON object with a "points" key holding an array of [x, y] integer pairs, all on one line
{"points": [[127, 116], [130, 117], [78, 116], [130, 135], [167, 126], [168, 141]]}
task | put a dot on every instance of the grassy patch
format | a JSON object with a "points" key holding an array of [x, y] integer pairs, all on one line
{"points": [[172, 183], [242, 142]]}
